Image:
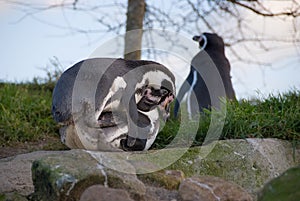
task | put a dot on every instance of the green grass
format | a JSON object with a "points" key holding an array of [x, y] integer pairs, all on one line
{"points": [[273, 117], [25, 115], [276, 116]]}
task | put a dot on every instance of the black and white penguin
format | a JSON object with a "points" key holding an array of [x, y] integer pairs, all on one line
{"points": [[112, 104], [209, 77]]}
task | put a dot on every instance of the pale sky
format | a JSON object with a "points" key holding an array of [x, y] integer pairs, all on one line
{"points": [[27, 46]]}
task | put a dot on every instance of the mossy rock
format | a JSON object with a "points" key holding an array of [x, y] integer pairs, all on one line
{"points": [[285, 187], [249, 163], [65, 176], [12, 197], [168, 179]]}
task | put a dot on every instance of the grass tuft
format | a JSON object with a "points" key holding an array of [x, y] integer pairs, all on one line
{"points": [[25, 113], [272, 117]]}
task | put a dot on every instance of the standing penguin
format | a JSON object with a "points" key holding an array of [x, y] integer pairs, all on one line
{"points": [[112, 104], [209, 78]]}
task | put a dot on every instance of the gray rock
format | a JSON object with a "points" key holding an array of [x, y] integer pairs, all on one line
{"points": [[208, 188], [250, 163], [67, 175], [15, 172], [286, 187], [102, 193], [160, 194]]}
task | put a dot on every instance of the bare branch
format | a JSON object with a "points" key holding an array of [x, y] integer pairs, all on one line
{"points": [[265, 12], [182, 16], [201, 16]]}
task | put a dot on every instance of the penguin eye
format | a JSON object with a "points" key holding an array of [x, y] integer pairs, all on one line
{"points": [[164, 92]]}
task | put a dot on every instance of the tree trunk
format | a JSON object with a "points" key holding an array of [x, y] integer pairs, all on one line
{"points": [[134, 29]]}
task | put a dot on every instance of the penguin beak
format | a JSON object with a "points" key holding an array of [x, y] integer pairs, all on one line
{"points": [[202, 40], [197, 38]]}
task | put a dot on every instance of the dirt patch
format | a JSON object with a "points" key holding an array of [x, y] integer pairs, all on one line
{"points": [[49, 143]]}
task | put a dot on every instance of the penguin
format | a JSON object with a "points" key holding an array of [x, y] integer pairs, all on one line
{"points": [[209, 77], [112, 104]]}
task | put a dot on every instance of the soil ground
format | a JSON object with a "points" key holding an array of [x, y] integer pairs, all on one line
{"points": [[49, 143]]}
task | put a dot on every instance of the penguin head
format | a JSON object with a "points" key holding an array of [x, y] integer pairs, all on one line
{"points": [[208, 40]]}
